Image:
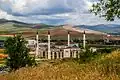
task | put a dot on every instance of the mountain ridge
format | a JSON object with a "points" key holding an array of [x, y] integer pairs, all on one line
{"points": [[23, 24], [106, 28]]}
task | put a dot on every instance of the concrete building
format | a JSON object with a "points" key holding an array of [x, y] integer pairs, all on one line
{"points": [[52, 51]]}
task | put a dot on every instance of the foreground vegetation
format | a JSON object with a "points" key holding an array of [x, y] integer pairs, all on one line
{"points": [[102, 67], [18, 53]]}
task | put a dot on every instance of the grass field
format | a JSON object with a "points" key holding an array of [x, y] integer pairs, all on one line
{"points": [[10, 26], [3, 37], [102, 67]]}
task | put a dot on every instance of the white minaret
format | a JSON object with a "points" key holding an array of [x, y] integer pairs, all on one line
{"points": [[84, 39], [37, 45], [49, 52], [68, 39]]}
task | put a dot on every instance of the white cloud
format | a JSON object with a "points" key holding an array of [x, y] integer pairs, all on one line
{"points": [[5, 15], [51, 11]]}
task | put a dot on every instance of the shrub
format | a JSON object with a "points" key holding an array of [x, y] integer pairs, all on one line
{"points": [[17, 53], [106, 50], [87, 56]]}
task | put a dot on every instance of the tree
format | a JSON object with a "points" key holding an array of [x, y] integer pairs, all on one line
{"points": [[110, 9], [17, 51]]}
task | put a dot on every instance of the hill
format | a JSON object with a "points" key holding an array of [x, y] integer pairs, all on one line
{"points": [[58, 32], [2, 21], [61, 33], [108, 28], [81, 30], [8, 25]]}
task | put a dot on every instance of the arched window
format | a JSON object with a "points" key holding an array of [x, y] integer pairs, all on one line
{"points": [[43, 54], [62, 55], [55, 55], [59, 54], [71, 54]]}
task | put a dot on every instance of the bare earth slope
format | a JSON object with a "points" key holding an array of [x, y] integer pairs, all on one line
{"points": [[81, 30]]}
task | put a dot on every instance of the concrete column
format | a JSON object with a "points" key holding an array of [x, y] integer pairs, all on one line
{"points": [[40, 54], [57, 55], [62, 54], [43, 54], [74, 54], [37, 45], [67, 53], [78, 54], [46, 55], [53, 53], [68, 39], [49, 52], [84, 40]]}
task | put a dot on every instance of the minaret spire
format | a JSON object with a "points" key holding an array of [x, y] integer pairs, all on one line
{"points": [[68, 39], [84, 40], [37, 44], [49, 51]]}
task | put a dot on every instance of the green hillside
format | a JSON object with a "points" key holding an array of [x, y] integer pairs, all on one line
{"points": [[10, 26]]}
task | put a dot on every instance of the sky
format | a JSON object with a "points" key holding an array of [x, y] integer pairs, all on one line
{"points": [[73, 12]]}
